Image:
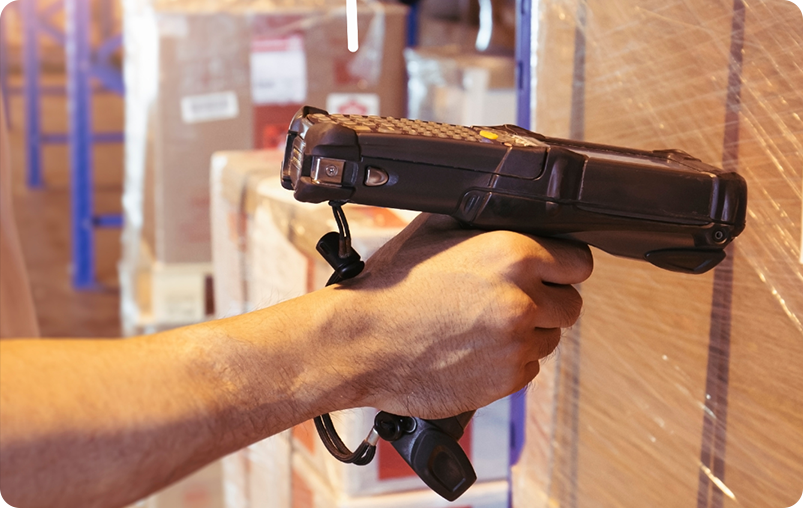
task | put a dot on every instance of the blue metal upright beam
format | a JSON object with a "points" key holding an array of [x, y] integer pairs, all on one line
{"points": [[79, 92], [412, 23], [37, 22], [524, 75], [85, 68], [33, 127], [518, 406]]}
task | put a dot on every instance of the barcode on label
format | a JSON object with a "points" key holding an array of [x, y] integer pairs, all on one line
{"points": [[209, 107]]}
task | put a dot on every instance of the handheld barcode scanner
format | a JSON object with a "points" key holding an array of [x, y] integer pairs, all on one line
{"points": [[665, 207]]}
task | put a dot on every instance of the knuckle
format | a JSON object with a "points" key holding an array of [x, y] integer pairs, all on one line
{"points": [[509, 245], [528, 372], [585, 264], [517, 313], [571, 307], [533, 369], [572, 260], [506, 376], [578, 262], [549, 342]]}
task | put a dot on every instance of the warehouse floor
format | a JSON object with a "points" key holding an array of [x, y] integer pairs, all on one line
{"points": [[43, 217]]}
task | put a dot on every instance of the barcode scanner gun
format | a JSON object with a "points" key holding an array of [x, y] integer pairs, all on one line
{"points": [[665, 207]]}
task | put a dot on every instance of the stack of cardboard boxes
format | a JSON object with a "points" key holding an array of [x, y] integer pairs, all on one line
{"points": [[675, 390], [451, 85], [208, 76]]}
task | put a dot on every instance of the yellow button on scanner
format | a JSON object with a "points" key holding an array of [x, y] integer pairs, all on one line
{"points": [[488, 135]]}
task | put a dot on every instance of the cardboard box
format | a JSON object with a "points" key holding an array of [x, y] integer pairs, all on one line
{"points": [[231, 79], [318, 70], [202, 489], [251, 481], [675, 390], [202, 78], [453, 86], [259, 475], [457, 23], [264, 240], [203, 105], [311, 491], [160, 296], [285, 234], [235, 177]]}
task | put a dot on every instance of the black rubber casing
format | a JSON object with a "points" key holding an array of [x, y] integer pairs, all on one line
{"points": [[665, 207]]}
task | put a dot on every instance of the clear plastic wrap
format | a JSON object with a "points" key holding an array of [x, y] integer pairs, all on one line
{"points": [[675, 390]]}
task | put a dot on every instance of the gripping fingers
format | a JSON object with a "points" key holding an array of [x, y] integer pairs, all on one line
{"points": [[558, 261], [543, 343], [556, 306], [539, 344]]}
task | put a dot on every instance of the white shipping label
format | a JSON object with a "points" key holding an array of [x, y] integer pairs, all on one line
{"points": [[353, 103], [172, 25], [209, 107], [278, 70]]}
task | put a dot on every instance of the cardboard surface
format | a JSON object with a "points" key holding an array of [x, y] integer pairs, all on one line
{"points": [[193, 68], [673, 390], [230, 78], [206, 77], [235, 178]]}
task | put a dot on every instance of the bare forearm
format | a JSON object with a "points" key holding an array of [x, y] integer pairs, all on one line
{"points": [[441, 321], [103, 423]]}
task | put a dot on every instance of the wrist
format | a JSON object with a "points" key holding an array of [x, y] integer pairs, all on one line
{"points": [[288, 363], [337, 349]]}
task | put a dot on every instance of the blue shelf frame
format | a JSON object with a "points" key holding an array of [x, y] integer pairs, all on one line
{"points": [[36, 22], [84, 66], [518, 406]]}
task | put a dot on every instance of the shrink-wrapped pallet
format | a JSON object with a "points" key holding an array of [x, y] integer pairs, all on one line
{"points": [[676, 390]]}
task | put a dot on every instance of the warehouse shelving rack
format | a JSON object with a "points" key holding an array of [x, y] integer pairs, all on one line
{"points": [[84, 65]]}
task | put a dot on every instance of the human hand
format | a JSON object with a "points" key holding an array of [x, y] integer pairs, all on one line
{"points": [[453, 319]]}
